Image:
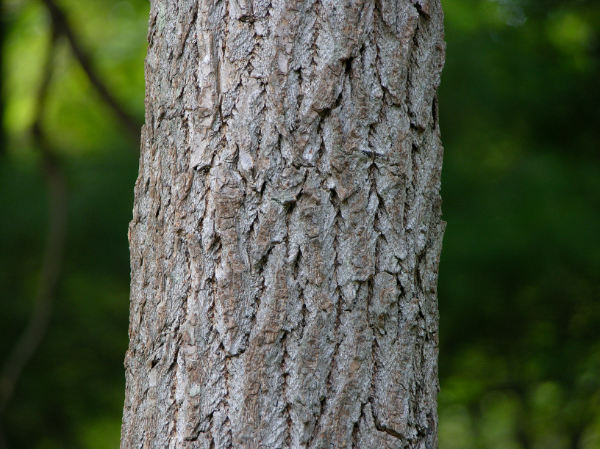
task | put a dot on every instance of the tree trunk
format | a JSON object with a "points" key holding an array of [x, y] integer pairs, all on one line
{"points": [[286, 230]]}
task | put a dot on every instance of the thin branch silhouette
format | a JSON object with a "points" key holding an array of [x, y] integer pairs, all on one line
{"points": [[36, 328], [130, 123]]}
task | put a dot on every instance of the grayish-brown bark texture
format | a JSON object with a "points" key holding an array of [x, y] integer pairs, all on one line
{"points": [[286, 230]]}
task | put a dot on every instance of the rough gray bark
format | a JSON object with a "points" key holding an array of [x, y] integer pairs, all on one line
{"points": [[286, 229]]}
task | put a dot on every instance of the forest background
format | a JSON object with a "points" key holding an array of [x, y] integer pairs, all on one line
{"points": [[519, 286]]}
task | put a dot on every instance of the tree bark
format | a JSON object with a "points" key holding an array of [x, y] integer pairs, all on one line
{"points": [[286, 230]]}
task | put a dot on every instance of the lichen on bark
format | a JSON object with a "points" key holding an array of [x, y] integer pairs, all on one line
{"points": [[286, 228]]}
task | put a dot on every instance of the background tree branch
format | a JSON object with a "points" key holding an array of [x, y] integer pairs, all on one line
{"points": [[128, 121], [32, 336]]}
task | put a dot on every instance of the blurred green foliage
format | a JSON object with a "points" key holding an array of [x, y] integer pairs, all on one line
{"points": [[519, 286]]}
